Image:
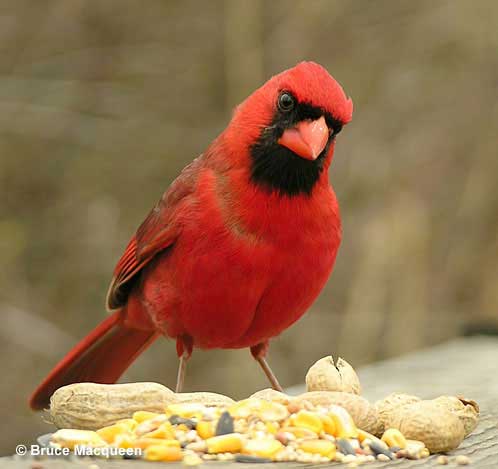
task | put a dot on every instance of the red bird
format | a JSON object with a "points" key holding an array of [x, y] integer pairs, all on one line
{"points": [[238, 247]]}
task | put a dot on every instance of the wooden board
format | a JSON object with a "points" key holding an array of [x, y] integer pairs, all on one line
{"points": [[467, 367]]}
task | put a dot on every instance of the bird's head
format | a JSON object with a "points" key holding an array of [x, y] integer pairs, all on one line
{"points": [[288, 127]]}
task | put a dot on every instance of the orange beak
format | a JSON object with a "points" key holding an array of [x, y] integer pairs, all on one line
{"points": [[307, 139]]}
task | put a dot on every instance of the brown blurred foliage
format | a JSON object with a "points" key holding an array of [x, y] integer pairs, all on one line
{"points": [[102, 103]]}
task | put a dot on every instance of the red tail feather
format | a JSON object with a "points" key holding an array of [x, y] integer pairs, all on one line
{"points": [[101, 357]]}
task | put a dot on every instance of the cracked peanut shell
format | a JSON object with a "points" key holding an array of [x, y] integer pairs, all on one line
{"points": [[465, 409], [325, 375]]}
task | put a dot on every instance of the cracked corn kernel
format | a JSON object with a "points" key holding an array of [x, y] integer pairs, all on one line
{"points": [[393, 437], [205, 429], [124, 440], [163, 453], [424, 453], [230, 443], [142, 415], [264, 447], [110, 433], [164, 431], [69, 438], [271, 427], [308, 420], [129, 424], [150, 425], [186, 409], [329, 426], [345, 427], [363, 435], [264, 410], [299, 432], [272, 411], [321, 447], [144, 443]]}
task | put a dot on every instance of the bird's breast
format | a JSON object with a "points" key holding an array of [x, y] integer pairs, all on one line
{"points": [[233, 281]]}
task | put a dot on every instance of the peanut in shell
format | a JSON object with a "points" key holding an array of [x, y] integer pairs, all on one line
{"points": [[209, 399], [325, 375], [271, 395], [465, 409], [390, 406], [90, 406], [426, 421]]}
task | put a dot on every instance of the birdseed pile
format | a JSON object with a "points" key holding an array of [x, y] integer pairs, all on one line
{"points": [[331, 422], [252, 430]]}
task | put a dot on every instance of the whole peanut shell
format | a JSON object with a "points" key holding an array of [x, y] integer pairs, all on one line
{"points": [[90, 406], [325, 375], [271, 395], [390, 405], [429, 422], [210, 399]]}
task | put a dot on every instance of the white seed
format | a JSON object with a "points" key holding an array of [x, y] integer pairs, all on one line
{"points": [[349, 458], [443, 460], [462, 460]]}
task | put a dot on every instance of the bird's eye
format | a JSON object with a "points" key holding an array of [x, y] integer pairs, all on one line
{"points": [[286, 102]]}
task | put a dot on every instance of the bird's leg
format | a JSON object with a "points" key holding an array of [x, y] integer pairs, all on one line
{"points": [[184, 346], [259, 352]]}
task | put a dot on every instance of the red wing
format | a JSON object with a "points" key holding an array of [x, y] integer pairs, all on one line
{"points": [[130, 264], [157, 233]]}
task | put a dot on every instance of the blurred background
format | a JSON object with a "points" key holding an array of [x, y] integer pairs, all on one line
{"points": [[103, 103]]}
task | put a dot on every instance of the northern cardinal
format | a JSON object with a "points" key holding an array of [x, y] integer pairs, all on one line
{"points": [[238, 247]]}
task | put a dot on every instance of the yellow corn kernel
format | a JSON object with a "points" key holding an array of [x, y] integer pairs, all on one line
{"points": [[307, 419], [272, 427], [264, 448], [164, 431], [328, 425], [144, 443], [323, 447], [142, 415], [300, 432], [345, 427], [363, 435], [185, 410], [124, 440], [245, 408], [150, 425], [205, 429], [69, 438], [424, 453], [272, 411], [129, 424], [265, 410], [229, 443], [393, 437], [109, 433], [163, 453]]}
